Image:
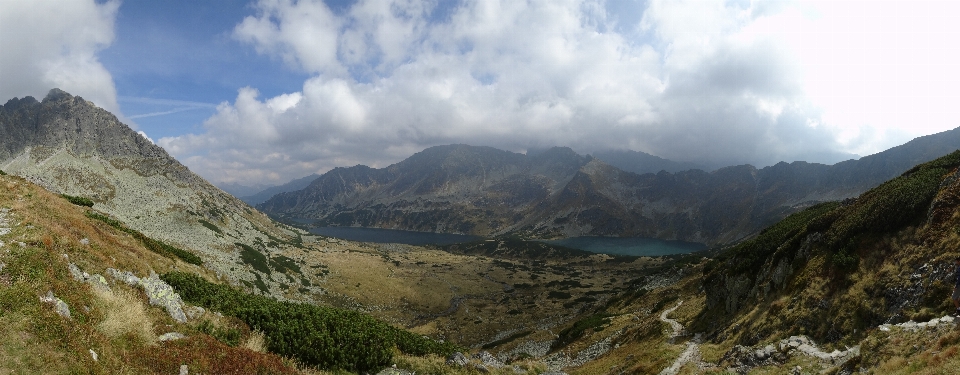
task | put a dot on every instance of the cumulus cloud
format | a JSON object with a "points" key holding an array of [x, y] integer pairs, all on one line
{"points": [[53, 43], [712, 82]]}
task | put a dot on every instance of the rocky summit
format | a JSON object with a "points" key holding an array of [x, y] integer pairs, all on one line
{"points": [[70, 146]]}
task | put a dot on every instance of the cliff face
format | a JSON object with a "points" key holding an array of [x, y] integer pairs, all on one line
{"points": [[557, 193], [70, 146]]}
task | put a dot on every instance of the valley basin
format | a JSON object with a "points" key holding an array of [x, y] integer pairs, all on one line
{"points": [[632, 246]]}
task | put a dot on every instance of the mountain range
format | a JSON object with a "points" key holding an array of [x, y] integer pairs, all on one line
{"points": [[858, 284], [264, 194], [559, 193]]}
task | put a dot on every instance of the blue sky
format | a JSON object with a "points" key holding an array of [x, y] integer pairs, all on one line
{"points": [[264, 91], [179, 57]]}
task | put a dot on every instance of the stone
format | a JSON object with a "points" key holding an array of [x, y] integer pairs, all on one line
{"points": [[162, 294], [194, 312], [75, 272], [393, 370], [94, 355], [127, 277], [458, 359], [98, 282], [85, 241], [184, 370], [170, 336], [488, 359], [61, 307]]}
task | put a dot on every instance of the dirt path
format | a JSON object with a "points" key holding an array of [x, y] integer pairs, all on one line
{"points": [[690, 354]]}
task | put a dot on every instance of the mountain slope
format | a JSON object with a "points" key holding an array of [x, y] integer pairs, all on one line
{"points": [[70, 146], [641, 162], [837, 269], [264, 194], [557, 193]]}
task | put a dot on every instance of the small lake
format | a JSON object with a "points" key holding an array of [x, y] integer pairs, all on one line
{"points": [[633, 246], [378, 235]]}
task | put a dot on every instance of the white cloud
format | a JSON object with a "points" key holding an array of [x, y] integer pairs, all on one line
{"points": [[145, 136], [707, 81], [53, 43]]}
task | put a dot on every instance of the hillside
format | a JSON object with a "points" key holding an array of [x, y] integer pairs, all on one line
{"points": [[558, 193]]}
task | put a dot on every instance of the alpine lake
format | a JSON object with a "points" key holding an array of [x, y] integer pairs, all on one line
{"points": [[630, 246]]}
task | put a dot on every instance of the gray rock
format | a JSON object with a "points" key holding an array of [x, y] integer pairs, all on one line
{"points": [[126, 276], [75, 272], [170, 336], [184, 370], [458, 359], [395, 371], [488, 359], [58, 304], [94, 355], [194, 312], [98, 282], [162, 294]]}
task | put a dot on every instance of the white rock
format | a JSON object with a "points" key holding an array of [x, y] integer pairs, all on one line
{"points": [[184, 370], [94, 355], [170, 336], [58, 304]]}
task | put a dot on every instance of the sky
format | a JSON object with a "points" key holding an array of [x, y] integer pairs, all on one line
{"points": [[259, 92]]}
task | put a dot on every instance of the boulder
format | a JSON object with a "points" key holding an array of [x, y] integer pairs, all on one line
{"points": [[458, 359], [162, 294], [58, 304]]}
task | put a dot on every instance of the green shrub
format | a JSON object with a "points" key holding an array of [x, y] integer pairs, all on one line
{"points": [[2, 173], [150, 243], [253, 257], [79, 201], [227, 335], [569, 335], [326, 337], [211, 226]]}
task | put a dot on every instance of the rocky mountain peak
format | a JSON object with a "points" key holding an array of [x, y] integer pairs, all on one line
{"points": [[70, 146]]}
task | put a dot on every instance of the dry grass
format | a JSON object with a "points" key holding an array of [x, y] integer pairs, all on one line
{"points": [[124, 314], [256, 342]]}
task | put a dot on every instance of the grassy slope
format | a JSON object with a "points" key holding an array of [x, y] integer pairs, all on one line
{"points": [[118, 325]]}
